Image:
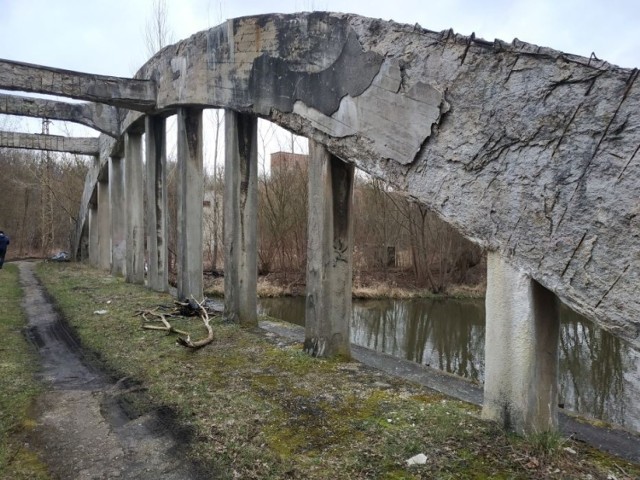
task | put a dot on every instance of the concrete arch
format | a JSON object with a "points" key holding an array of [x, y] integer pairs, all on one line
{"points": [[528, 151]]}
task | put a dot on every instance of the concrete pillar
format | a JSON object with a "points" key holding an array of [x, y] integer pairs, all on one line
{"points": [[156, 204], [104, 226], [240, 218], [118, 216], [521, 350], [190, 198], [94, 244], [134, 185], [329, 254]]}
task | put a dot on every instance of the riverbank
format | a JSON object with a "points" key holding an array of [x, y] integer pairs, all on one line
{"points": [[365, 286], [253, 405]]}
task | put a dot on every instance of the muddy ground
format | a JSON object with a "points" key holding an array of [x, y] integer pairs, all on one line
{"points": [[83, 430]]}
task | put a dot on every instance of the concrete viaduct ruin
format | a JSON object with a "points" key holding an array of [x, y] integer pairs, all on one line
{"points": [[530, 152]]}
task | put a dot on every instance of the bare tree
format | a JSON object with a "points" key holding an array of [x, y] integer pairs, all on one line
{"points": [[157, 31]]}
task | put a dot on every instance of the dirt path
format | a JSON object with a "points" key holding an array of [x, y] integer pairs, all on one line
{"points": [[82, 430]]}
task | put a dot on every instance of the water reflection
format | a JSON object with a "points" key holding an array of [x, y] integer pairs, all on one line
{"points": [[599, 375], [440, 333]]}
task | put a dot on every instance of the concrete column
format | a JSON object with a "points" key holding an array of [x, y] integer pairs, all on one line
{"points": [[329, 254], [156, 204], [240, 218], [94, 244], [134, 185], [521, 350], [190, 198], [104, 226], [118, 216]]}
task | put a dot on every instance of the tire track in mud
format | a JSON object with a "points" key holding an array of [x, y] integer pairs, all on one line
{"points": [[84, 430]]}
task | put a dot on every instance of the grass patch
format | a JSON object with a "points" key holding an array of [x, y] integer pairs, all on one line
{"points": [[258, 407], [18, 386]]}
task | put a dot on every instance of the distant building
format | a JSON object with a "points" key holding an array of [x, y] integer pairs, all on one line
{"points": [[282, 162]]}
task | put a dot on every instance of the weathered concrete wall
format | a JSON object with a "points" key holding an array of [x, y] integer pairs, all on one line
{"points": [[526, 150]]}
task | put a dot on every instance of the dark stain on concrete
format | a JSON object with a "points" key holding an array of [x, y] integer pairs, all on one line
{"points": [[277, 83]]}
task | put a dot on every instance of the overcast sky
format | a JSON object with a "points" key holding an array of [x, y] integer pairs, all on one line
{"points": [[107, 36]]}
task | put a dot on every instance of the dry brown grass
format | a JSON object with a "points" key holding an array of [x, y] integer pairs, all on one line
{"points": [[271, 286]]}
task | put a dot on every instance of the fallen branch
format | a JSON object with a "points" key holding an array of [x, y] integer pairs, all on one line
{"points": [[167, 327], [187, 342]]}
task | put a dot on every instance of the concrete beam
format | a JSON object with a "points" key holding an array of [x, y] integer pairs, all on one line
{"points": [[240, 218], [118, 216], [521, 350], [129, 93], [51, 143], [103, 118], [156, 202], [190, 197], [134, 191], [329, 255]]}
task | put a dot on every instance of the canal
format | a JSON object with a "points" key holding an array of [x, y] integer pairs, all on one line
{"points": [[599, 375]]}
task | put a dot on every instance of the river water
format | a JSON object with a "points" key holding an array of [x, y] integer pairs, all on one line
{"points": [[599, 375]]}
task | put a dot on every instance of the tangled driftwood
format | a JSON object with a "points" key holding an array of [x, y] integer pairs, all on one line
{"points": [[184, 309]]}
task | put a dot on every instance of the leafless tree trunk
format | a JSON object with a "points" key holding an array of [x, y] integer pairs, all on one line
{"points": [[157, 32]]}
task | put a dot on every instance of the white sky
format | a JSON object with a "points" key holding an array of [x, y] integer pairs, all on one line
{"points": [[106, 36]]}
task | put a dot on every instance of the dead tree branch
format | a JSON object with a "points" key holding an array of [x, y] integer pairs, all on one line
{"points": [[187, 342], [166, 326], [189, 308]]}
